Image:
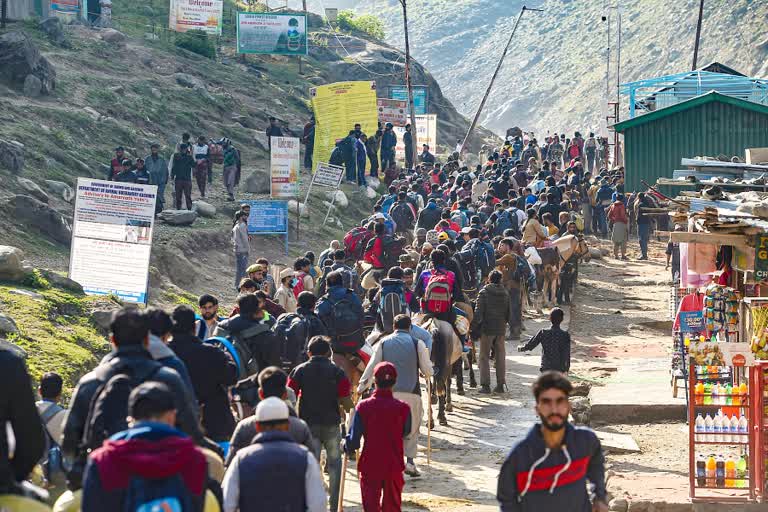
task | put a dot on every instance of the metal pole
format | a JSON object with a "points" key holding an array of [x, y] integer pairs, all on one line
{"points": [[698, 37], [3, 13], [618, 60], [408, 84], [493, 78], [608, 58]]}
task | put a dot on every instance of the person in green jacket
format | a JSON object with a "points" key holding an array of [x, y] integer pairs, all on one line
{"points": [[490, 325], [230, 169]]}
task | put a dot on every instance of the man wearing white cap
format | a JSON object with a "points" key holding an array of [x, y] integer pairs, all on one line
{"points": [[252, 482]]}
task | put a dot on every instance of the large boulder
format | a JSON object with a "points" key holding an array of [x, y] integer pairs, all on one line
{"points": [[54, 28], [102, 318], [19, 57], [258, 183], [7, 325], [178, 217], [32, 87], [341, 198], [204, 209], [12, 155], [293, 205], [61, 281], [61, 189], [186, 80], [33, 189], [581, 410], [111, 35], [11, 263], [31, 212]]}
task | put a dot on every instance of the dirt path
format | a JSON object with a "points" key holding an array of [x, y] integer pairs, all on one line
{"points": [[467, 455]]}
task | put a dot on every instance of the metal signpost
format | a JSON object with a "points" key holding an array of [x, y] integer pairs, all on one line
{"points": [[328, 176], [268, 218]]}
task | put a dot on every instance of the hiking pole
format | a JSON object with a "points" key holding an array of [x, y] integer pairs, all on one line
{"points": [[429, 423], [340, 506]]}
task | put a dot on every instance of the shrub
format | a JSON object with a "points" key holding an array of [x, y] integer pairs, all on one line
{"points": [[366, 24], [197, 41]]}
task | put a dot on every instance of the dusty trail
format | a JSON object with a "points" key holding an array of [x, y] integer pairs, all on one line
{"points": [[467, 454]]}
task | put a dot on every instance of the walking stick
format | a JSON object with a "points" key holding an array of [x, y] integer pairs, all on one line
{"points": [[340, 506], [429, 423]]}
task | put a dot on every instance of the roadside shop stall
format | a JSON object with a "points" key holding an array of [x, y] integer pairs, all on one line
{"points": [[721, 341]]}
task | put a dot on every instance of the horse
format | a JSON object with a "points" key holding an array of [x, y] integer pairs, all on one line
{"points": [[566, 249], [446, 350]]}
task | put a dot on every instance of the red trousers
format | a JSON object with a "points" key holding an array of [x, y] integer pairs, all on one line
{"points": [[371, 490]]}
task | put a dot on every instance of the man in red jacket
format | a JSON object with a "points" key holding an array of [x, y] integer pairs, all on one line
{"points": [[384, 421], [374, 253]]}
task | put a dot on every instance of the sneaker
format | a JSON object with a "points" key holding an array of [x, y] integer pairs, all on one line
{"points": [[485, 390], [410, 470]]}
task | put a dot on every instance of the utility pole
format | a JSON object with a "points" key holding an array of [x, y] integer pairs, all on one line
{"points": [[493, 78], [409, 85], [3, 13], [698, 36]]}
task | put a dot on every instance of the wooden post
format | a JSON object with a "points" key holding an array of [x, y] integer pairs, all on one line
{"points": [[3, 13], [409, 86], [698, 36]]}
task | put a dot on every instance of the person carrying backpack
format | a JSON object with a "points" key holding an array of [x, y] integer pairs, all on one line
{"points": [[99, 402], [212, 371], [390, 301], [374, 250], [349, 276], [150, 465], [490, 325], [52, 414], [342, 314], [429, 216], [294, 330], [436, 287], [590, 151], [403, 213]]}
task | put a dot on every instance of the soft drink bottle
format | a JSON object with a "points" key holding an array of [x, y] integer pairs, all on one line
{"points": [[707, 394], [701, 471], [730, 472], [720, 472], [711, 466], [743, 392], [741, 473], [728, 395]]}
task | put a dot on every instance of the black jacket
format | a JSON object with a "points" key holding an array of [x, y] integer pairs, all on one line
{"points": [[555, 349], [319, 384], [429, 217], [492, 311], [258, 336], [181, 167], [136, 357], [17, 406], [211, 371]]}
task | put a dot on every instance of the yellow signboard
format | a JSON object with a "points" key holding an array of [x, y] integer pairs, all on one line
{"points": [[338, 107]]}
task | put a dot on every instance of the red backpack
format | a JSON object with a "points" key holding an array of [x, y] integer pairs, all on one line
{"points": [[355, 242], [437, 296], [299, 287]]}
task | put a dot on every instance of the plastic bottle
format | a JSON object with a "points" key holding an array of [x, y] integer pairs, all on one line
{"points": [[743, 392], [701, 471], [718, 428], [735, 397], [735, 437], [699, 393], [741, 473], [720, 472], [711, 466], [743, 425], [728, 395], [700, 428], [730, 472], [709, 426]]}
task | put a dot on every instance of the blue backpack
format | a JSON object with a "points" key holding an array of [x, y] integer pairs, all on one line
{"points": [[162, 494], [391, 303], [388, 202], [503, 222]]}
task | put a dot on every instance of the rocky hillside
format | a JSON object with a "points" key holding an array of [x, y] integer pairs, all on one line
{"points": [[554, 77], [69, 95]]}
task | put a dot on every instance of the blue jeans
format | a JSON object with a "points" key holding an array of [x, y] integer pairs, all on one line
{"points": [[361, 173], [241, 259], [602, 226], [644, 234], [329, 437]]}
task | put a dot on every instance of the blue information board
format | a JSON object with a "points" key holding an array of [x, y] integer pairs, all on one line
{"points": [[419, 97], [268, 218]]}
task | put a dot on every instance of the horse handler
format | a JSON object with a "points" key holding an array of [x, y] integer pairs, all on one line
{"points": [[384, 421], [408, 355]]}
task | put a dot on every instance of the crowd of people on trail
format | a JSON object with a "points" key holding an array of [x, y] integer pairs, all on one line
{"points": [[324, 362], [189, 160]]}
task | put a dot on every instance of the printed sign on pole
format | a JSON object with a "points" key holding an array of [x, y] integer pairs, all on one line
{"points": [[202, 15], [400, 92], [327, 175], [112, 238], [392, 111], [426, 133], [270, 33], [268, 218], [65, 7], [284, 165], [338, 107]]}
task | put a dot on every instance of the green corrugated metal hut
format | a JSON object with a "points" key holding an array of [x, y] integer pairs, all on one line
{"points": [[708, 125]]}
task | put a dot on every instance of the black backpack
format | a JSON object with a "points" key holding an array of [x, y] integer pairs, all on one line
{"points": [[52, 461], [468, 269], [391, 303], [402, 214], [108, 411], [337, 157], [392, 248], [345, 326], [258, 347]]}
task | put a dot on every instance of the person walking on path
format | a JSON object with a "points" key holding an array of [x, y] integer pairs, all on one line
{"points": [[181, 173], [131, 466], [555, 344], [490, 324], [643, 224], [321, 386], [619, 223], [384, 421], [275, 472], [230, 169], [242, 247], [388, 143], [408, 355], [272, 383], [548, 469]]}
